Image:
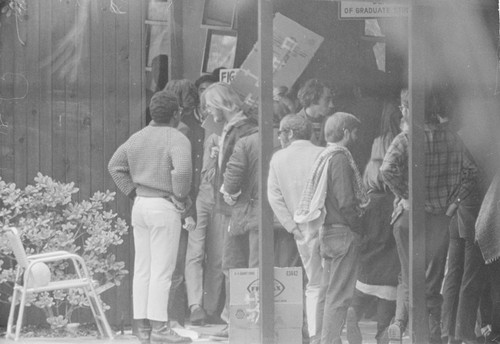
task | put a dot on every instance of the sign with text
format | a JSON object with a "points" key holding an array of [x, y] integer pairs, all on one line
{"points": [[364, 10], [227, 75], [244, 306], [293, 48]]}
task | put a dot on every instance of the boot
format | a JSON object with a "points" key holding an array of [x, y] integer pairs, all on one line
{"points": [[354, 335], [198, 316], [143, 330], [395, 332], [435, 328]]}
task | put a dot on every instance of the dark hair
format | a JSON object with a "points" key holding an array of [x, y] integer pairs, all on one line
{"points": [[311, 92], [439, 102], [337, 123], [205, 78], [186, 92], [390, 121], [372, 178], [216, 73], [163, 106], [299, 125]]}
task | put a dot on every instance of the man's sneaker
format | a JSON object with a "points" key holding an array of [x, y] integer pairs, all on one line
{"points": [[395, 332], [221, 335], [353, 334], [165, 335], [315, 339], [198, 316]]}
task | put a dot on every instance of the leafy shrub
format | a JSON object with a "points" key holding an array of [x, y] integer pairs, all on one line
{"points": [[49, 220]]}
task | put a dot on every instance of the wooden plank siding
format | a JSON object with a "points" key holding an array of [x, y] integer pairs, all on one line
{"points": [[19, 123], [69, 124], [58, 94], [34, 97], [7, 65], [123, 296]]}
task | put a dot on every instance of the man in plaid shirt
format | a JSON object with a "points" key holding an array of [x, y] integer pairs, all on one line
{"points": [[450, 176]]}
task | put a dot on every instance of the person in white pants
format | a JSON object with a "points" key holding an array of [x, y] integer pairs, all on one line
{"points": [[289, 170], [154, 167]]}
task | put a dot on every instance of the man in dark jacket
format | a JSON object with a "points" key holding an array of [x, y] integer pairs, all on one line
{"points": [[339, 238], [241, 186], [222, 102], [188, 100]]}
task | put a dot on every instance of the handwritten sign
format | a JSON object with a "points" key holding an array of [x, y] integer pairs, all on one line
{"points": [[293, 48], [363, 10], [227, 75]]}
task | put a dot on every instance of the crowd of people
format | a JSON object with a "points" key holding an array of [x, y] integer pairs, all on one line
{"points": [[338, 188]]}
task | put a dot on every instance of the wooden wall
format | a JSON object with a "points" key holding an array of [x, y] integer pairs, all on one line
{"points": [[68, 127]]}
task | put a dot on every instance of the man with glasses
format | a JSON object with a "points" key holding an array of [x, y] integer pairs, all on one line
{"points": [[317, 104], [450, 178], [289, 169]]}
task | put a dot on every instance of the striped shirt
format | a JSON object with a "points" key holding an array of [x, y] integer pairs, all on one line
{"points": [[450, 173]]}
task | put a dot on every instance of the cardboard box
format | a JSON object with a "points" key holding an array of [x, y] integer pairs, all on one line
{"points": [[293, 48], [288, 311]]}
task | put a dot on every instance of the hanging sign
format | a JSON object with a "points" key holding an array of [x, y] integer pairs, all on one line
{"points": [[364, 10], [227, 75]]}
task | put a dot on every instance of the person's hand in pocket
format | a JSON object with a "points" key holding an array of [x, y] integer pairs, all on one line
{"points": [[189, 224], [297, 234]]}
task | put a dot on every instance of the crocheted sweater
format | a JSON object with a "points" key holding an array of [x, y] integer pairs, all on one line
{"points": [[155, 162]]}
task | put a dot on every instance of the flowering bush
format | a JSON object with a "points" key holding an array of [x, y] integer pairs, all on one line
{"points": [[9, 7], [49, 220]]}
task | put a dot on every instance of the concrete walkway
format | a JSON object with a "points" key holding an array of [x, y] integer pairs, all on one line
{"points": [[202, 333], [198, 334]]}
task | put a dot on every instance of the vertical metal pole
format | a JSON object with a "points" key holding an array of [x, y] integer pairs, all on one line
{"points": [[417, 71], [266, 237], [175, 61]]}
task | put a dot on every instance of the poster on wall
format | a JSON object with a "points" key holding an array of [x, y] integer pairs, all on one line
{"points": [[219, 14], [293, 48], [220, 50]]}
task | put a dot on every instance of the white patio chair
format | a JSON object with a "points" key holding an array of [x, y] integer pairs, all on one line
{"points": [[22, 289]]}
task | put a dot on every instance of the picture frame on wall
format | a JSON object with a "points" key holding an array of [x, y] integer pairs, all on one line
{"points": [[220, 50], [219, 14]]}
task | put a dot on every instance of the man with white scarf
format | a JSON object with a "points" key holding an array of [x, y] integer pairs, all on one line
{"points": [[335, 190]]}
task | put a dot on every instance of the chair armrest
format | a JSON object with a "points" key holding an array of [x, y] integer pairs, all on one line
{"points": [[61, 255], [48, 254], [54, 258]]}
